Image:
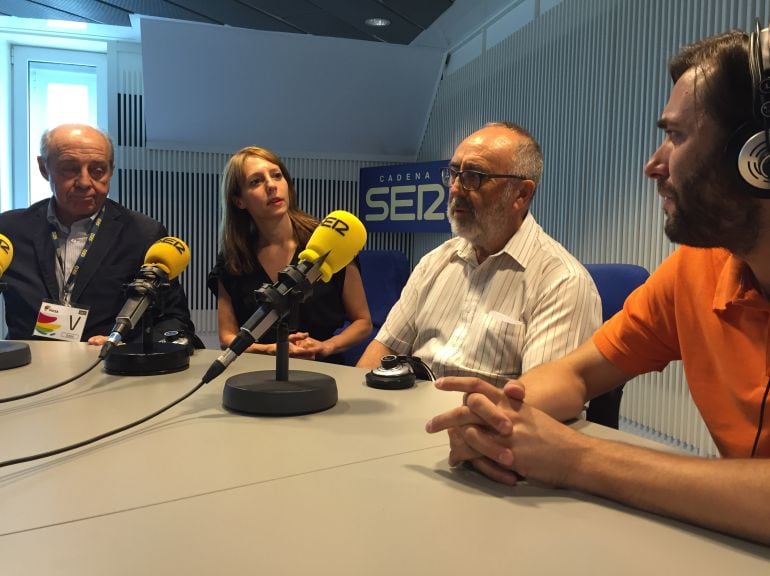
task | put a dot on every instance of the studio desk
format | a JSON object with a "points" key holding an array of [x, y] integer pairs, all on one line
{"points": [[357, 489]]}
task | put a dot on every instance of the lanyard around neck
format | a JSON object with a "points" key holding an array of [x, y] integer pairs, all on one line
{"points": [[69, 284]]}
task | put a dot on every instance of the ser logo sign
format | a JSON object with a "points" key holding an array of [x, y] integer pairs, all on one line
{"points": [[404, 198]]}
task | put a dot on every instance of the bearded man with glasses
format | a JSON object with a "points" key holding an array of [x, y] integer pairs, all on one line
{"points": [[501, 296]]}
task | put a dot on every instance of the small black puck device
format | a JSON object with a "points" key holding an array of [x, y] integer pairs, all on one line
{"points": [[393, 373]]}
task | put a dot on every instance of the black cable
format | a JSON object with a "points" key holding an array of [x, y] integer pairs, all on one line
{"points": [[428, 371], [53, 386], [761, 420], [103, 435], [420, 369]]}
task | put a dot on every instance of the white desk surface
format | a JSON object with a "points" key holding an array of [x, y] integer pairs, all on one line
{"points": [[358, 489]]}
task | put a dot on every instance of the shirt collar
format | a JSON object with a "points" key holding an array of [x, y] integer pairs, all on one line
{"points": [[736, 286], [518, 247], [53, 219]]}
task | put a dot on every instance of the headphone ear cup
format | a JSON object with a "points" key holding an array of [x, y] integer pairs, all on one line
{"points": [[747, 151]]}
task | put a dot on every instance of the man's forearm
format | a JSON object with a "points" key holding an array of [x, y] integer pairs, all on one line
{"points": [[555, 390], [562, 388], [728, 495], [373, 354]]}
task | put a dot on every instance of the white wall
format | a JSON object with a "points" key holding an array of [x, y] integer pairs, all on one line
{"points": [[214, 88]]}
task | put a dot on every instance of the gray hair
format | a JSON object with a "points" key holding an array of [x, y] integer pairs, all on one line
{"points": [[528, 159]]}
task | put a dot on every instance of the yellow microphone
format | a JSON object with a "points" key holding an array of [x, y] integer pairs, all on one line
{"points": [[337, 240], [164, 261], [332, 246], [6, 253], [170, 255]]}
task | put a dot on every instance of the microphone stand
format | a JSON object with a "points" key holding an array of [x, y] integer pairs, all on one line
{"points": [[147, 357], [13, 354], [283, 392], [282, 351]]}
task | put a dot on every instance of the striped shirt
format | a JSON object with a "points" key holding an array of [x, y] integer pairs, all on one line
{"points": [[530, 303]]}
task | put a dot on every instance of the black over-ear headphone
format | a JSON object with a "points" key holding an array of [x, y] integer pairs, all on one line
{"points": [[750, 147]]}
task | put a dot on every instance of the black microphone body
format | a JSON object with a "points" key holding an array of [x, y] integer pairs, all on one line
{"points": [[143, 291], [294, 283]]}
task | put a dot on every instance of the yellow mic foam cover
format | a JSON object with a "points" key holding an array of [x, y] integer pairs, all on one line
{"points": [[169, 254], [6, 253], [341, 236]]}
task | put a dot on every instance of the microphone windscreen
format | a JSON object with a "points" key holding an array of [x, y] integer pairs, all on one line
{"points": [[170, 255], [341, 236], [6, 253]]}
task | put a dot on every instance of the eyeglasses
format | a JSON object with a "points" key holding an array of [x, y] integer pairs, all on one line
{"points": [[471, 180]]}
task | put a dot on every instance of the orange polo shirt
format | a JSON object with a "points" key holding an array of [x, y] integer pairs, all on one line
{"points": [[702, 306]]}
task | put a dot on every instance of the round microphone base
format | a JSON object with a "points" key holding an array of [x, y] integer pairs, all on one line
{"points": [[260, 393], [134, 360], [14, 354]]}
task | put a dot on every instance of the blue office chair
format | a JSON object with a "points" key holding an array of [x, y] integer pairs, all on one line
{"points": [[614, 282], [384, 273]]}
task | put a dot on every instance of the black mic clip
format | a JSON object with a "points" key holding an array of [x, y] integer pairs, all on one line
{"points": [[151, 281], [292, 288]]}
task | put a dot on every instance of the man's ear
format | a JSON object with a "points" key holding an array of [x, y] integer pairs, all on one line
{"points": [[524, 194], [42, 168]]}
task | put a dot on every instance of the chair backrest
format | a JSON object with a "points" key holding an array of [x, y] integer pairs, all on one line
{"points": [[614, 283], [384, 274]]}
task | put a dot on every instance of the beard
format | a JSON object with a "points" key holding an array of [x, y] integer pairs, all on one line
{"points": [[480, 227], [710, 211]]}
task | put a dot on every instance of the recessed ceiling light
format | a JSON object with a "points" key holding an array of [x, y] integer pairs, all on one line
{"points": [[377, 22]]}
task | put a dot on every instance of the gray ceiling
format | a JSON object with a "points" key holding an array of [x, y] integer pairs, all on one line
{"points": [[336, 18]]}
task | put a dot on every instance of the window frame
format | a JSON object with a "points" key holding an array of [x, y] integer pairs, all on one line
{"points": [[21, 56]]}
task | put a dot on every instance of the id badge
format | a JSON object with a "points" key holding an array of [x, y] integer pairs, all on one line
{"points": [[60, 322]]}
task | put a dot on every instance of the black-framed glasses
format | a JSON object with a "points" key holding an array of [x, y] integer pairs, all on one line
{"points": [[471, 180]]}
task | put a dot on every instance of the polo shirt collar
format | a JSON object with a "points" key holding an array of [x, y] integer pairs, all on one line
{"points": [[736, 286]]}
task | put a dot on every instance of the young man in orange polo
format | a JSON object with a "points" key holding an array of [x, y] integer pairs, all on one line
{"points": [[708, 304]]}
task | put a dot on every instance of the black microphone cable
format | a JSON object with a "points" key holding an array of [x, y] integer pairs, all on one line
{"points": [[51, 387], [104, 434], [761, 420]]}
